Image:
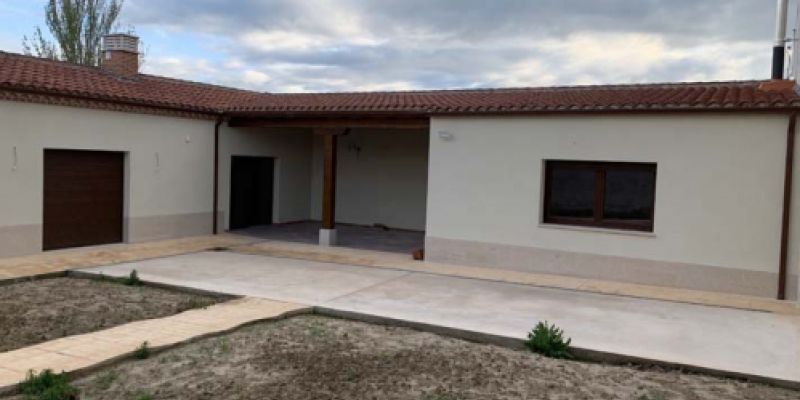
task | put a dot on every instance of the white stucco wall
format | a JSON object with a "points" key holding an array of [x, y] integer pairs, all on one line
{"points": [[291, 149], [718, 197], [173, 199], [382, 178]]}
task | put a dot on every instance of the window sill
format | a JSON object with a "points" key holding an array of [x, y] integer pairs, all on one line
{"points": [[610, 231]]}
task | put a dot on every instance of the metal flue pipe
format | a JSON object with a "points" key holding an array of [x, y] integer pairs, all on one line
{"points": [[779, 49]]}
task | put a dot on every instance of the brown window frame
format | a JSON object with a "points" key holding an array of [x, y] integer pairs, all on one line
{"points": [[598, 220]]}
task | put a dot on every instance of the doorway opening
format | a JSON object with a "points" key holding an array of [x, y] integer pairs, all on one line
{"points": [[252, 181]]}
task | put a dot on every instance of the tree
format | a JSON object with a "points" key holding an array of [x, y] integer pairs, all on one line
{"points": [[78, 27]]}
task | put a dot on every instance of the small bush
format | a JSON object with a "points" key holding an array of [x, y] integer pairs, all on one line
{"points": [[47, 386], [143, 396], [133, 279], [142, 352], [548, 340]]}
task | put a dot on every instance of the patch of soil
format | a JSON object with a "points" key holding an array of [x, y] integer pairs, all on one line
{"points": [[310, 357], [40, 310]]}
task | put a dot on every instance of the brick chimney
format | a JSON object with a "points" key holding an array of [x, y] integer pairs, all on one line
{"points": [[120, 54]]}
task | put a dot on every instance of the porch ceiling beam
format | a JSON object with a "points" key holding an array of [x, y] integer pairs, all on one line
{"points": [[365, 122]]}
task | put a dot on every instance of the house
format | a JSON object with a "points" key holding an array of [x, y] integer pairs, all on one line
{"points": [[686, 185]]}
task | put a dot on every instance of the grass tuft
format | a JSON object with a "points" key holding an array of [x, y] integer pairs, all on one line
{"points": [[143, 396], [133, 279], [142, 352], [548, 340], [47, 385]]}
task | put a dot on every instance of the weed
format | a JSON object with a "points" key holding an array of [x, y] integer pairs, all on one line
{"points": [[316, 329], [133, 279], [440, 394], [47, 386], [548, 340], [657, 395], [352, 375], [104, 382], [142, 396], [224, 346], [195, 304], [142, 352]]}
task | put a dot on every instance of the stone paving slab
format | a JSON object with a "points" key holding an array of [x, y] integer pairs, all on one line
{"points": [[82, 352], [383, 260], [62, 260]]}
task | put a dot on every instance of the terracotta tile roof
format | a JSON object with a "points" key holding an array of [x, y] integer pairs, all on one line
{"points": [[24, 73], [676, 96]]}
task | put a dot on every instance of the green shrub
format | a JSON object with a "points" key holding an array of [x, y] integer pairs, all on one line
{"points": [[143, 396], [47, 386], [548, 340], [142, 352], [133, 279]]}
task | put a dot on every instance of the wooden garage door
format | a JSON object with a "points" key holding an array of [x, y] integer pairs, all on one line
{"points": [[83, 195]]}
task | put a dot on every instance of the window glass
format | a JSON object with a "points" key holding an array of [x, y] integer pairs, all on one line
{"points": [[572, 192], [616, 195], [628, 194]]}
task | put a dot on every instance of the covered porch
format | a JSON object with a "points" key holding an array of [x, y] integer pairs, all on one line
{"points": [[352, 236], [358, 181]]}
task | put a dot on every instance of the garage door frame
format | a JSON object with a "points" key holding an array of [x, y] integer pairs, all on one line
{"points": [[111, 222]]}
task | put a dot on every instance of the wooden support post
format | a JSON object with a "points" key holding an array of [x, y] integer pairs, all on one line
{"points": [[330, 137]]}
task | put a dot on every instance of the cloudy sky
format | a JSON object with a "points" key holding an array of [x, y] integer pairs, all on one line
{"points": [[346, 45]]}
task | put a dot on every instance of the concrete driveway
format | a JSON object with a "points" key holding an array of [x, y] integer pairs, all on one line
{"points": [[748, 342]]}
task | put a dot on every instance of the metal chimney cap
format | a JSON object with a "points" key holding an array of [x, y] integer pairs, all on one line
{"points": [[121, 42]]}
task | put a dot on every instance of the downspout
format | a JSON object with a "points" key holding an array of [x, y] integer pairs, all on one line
{"points": [[787, 206], [216, 174]]}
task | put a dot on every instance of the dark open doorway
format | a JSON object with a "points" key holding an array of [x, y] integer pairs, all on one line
{"points": [[251, 191]]}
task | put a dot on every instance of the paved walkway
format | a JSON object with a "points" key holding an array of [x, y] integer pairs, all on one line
{"points": [[77, 353], [390, 261], [753, 343], [59, 261]]}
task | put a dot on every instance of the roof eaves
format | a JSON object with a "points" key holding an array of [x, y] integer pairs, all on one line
{"points": [[110, 98]]}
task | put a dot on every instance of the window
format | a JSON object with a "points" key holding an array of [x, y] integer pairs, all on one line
{"points": [[616, 195]]}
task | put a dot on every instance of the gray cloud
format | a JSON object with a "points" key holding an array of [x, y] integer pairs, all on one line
{"points": [[326, 45]]}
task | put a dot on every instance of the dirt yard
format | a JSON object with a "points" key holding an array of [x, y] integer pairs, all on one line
{"points": [[41, 310], [311, 357]]}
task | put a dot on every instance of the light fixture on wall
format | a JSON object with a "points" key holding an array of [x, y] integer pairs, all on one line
{"points": [[445, 136], [15, 160], [355, 148], [158, 162]]}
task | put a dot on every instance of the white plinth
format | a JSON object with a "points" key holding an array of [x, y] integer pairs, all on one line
{"points": [[327, 237]]}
